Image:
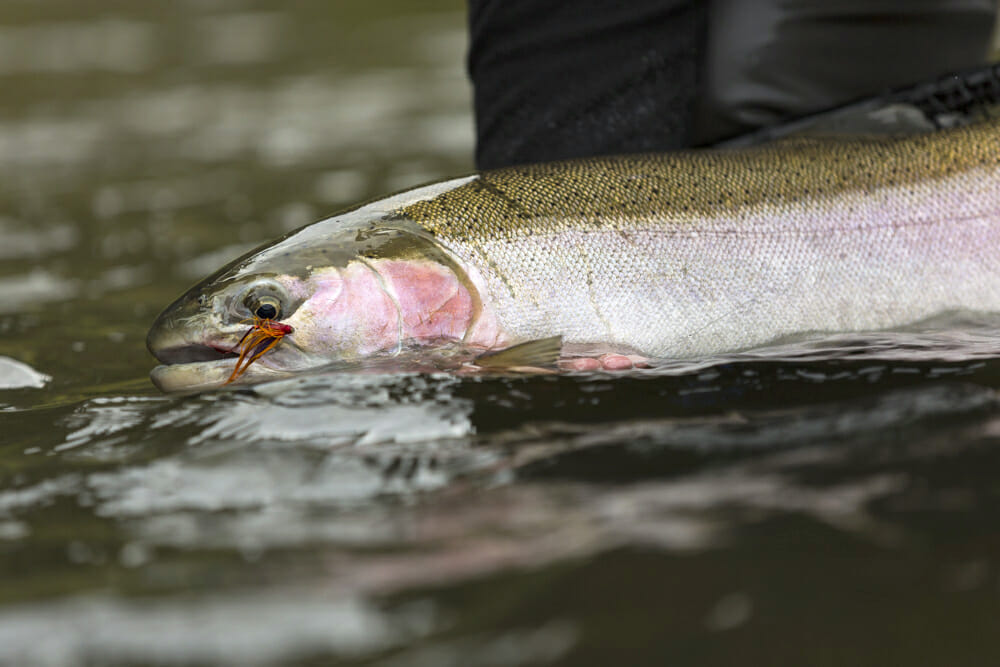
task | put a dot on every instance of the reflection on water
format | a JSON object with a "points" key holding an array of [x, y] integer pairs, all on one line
{"points": [[385, 503], [831, 495]]}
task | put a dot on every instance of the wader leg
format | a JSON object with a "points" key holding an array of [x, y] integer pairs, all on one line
{"points": [[556, 79]]}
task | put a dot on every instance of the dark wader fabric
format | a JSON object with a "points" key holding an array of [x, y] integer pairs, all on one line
{"points": [[557, 79]]}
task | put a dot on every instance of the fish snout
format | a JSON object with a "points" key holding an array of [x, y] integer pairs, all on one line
{"points": [[172, 340], [161, 338]]}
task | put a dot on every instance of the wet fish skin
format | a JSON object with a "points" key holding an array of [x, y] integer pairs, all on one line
{"points": [[701, 252], [677, 254]]}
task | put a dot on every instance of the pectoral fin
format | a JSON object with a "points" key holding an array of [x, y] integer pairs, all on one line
{"points": [[540, 353]]}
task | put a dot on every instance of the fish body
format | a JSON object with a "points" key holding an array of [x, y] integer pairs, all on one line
{"points": [[666, 255]]}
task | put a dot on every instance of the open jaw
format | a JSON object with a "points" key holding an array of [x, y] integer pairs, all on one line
{"points": [[194, 367], [194, 353]]}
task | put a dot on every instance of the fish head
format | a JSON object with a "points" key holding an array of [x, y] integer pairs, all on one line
{"points": [[197, 338], [357, 285]]}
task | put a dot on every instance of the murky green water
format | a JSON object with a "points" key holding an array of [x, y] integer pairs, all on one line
{"points": [[828, 503]]}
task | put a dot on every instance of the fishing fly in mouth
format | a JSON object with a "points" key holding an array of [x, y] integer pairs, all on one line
{"points": [[259, 339]]}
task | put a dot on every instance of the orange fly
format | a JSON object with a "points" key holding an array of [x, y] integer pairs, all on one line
{"points": [[257, 341]]}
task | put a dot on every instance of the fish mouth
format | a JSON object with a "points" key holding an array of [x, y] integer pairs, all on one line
{"points": [[190, 367], [193, 367], [193, 353], [193, 376]]}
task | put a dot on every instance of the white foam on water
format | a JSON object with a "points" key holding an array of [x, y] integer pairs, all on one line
{"points": [[16, 374], [225, 629]]}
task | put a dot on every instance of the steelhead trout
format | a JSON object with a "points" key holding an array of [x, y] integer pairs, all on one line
{"points": [[666, 255]]}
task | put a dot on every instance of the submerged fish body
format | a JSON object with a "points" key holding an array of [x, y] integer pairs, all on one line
{"points": [[668, 255]]}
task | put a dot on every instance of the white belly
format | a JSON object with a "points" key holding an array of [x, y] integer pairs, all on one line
{"points": [[855, 262]]}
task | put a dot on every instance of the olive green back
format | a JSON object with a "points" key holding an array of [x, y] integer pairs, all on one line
{"points": [[626, 192]]}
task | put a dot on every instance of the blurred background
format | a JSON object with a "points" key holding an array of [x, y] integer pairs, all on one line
{"points": [[142, 145]]}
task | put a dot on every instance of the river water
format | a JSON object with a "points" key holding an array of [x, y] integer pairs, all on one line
{"points": [[832, 501]]}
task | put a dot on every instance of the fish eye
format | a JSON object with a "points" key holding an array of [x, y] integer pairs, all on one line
{"points": [[267, 308], [263, 299]]}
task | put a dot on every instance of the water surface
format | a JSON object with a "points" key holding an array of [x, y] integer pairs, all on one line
{"points": [[829, 501]]}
